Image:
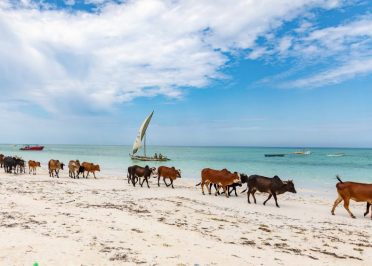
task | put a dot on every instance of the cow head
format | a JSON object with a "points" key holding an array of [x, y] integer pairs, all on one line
{"points": [[244, 178], [290, 186], [38, 164], [62, 165], [178, 173], [153, 170], [97, 168], [237, 179]]}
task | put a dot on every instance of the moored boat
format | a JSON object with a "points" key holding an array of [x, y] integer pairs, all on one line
{"points": [[275, 155], [32, 148], [340, 154]]}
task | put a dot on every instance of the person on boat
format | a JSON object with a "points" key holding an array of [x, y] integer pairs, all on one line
{"points": [[160, 156], [156, 156]]}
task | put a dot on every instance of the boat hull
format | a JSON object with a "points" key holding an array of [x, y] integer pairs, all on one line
{"points": [[274, 155], [34, 148], [145, 158]]}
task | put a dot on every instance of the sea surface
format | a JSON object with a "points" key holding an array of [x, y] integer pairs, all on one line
{"points": [[314, 171]]}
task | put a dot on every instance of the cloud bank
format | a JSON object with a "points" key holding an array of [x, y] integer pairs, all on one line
{"points": [[56, 57]]}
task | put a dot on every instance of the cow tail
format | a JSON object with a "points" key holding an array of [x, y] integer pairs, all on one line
{"points": [[243, 191], [339, 179], [198, 184]]}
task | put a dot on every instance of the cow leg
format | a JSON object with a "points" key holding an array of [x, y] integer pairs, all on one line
{"points": [[236, 194], [217, 190], [57, 173], [248, 194], [141, 183], [209, 190], [254, 191], [267, 199], [94, 174], [166, 182], [337, 201], [158, 180], [172, 183], [202, 187], [226, 190], [215, 187], [367, 209], [276, 200], [346, 206], [147, 182], [29, 170]]}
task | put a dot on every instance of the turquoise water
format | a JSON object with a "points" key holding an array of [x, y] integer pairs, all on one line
{"points": [[311, 171]]}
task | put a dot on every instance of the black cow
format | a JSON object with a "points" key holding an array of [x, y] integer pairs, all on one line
{"points": [[11, 163], [135, 173], [273, 186]]}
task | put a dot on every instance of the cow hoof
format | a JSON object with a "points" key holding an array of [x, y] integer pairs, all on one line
{"points": [[353, 217]]}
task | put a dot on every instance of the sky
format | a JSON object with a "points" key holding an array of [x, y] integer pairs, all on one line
{"points": [[231, 73]]}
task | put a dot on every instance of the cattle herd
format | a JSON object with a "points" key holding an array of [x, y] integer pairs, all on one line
{"points": [[218, 179]]}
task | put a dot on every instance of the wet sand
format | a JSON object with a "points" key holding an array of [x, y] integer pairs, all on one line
{"points": [[108, 222]]}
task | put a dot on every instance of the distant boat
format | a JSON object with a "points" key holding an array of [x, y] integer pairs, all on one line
{"points": [[32, 148], [138, 143], [275, 155], [302, 152], [340, 154]]}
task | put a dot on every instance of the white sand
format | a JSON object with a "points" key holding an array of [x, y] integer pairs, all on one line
{"points": [[108, 222]]}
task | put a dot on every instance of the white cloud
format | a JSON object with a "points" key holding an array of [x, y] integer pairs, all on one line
{"points": [[134, 49], [335, 75], [339, 53]]}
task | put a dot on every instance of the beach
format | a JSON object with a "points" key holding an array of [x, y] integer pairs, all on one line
{"points": [[106, 221]]}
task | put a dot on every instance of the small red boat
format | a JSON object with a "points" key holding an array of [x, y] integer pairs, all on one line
{"points": [[32, 148]]}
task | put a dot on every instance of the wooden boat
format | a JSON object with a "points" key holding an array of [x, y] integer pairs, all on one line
{"points": [[138, 143], [32, 148], [275, 155]]}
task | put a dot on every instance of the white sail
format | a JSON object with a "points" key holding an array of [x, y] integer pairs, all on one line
{"points": [[141, 133]]}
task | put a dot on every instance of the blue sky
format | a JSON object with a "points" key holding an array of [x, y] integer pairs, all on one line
{"points": [[252, 73]]}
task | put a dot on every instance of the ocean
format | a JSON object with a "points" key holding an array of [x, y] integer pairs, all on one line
{"points": [[314, 171]]}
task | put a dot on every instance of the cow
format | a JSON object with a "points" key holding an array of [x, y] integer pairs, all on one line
{"points": [[232, 187], [9, 164], [2, 160], [168, 172], [21, 168], [136, 172], [358, 192], [222, 178], [90, 168], [54, 167], [32, 166], [273, 186], [73, 168]]}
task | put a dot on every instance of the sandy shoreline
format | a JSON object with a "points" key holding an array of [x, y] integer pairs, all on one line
{"points": [[107, 222]]}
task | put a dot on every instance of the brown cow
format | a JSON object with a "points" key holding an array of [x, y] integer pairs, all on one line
{"points": [[2, 160], [90, 167], [168, 172], [358, 192], [55, 165], [73, 168], [222, 178], [32, 166]]}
